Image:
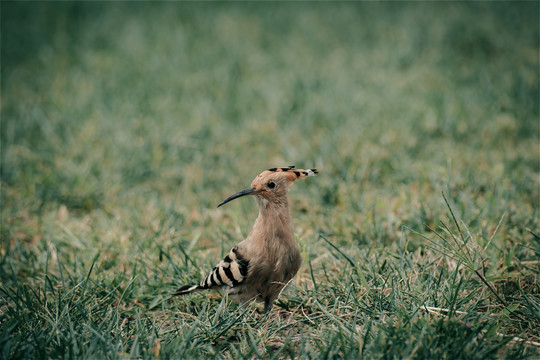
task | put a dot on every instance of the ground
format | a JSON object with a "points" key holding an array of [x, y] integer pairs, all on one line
{"points": [[124, 125]]}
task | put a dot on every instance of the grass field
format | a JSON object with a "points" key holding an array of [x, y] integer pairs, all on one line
{"points": [[124, 125]]}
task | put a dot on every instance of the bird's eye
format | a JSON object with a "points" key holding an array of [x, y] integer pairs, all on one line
{"points": [[271, 184]]}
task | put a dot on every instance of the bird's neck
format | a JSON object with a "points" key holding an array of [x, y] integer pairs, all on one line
{"points": [[278, 208], [274, 220]]}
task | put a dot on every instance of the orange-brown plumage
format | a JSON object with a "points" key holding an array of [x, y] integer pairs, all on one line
{"points": [[259, 267]]}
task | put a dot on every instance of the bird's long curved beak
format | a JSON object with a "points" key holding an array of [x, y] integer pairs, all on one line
{"points": [[249, 191]]}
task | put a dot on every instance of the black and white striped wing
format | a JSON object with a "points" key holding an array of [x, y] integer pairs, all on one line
{"points": [[231, 272]]}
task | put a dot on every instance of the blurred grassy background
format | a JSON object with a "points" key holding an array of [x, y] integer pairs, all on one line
{"points": [[124, 125]]}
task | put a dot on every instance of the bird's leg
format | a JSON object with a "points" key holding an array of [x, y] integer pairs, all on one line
{"points": [[268, 302]]}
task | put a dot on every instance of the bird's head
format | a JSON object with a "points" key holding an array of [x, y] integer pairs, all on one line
{"points": [[271, 185]]}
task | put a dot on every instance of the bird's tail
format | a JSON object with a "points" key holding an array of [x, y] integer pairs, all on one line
{"points": [[186, 289]]}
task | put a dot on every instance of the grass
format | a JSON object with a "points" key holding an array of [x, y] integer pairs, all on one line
{"points": [[123, 126]]}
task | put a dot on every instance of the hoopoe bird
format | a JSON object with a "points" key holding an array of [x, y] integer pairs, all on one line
{"points": [[259, 267]]}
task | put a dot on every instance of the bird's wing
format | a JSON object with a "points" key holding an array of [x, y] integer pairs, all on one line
{"points": [[231, 272]]}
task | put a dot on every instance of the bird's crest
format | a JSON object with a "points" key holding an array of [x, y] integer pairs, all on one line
{"points": [[290, 173]]}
